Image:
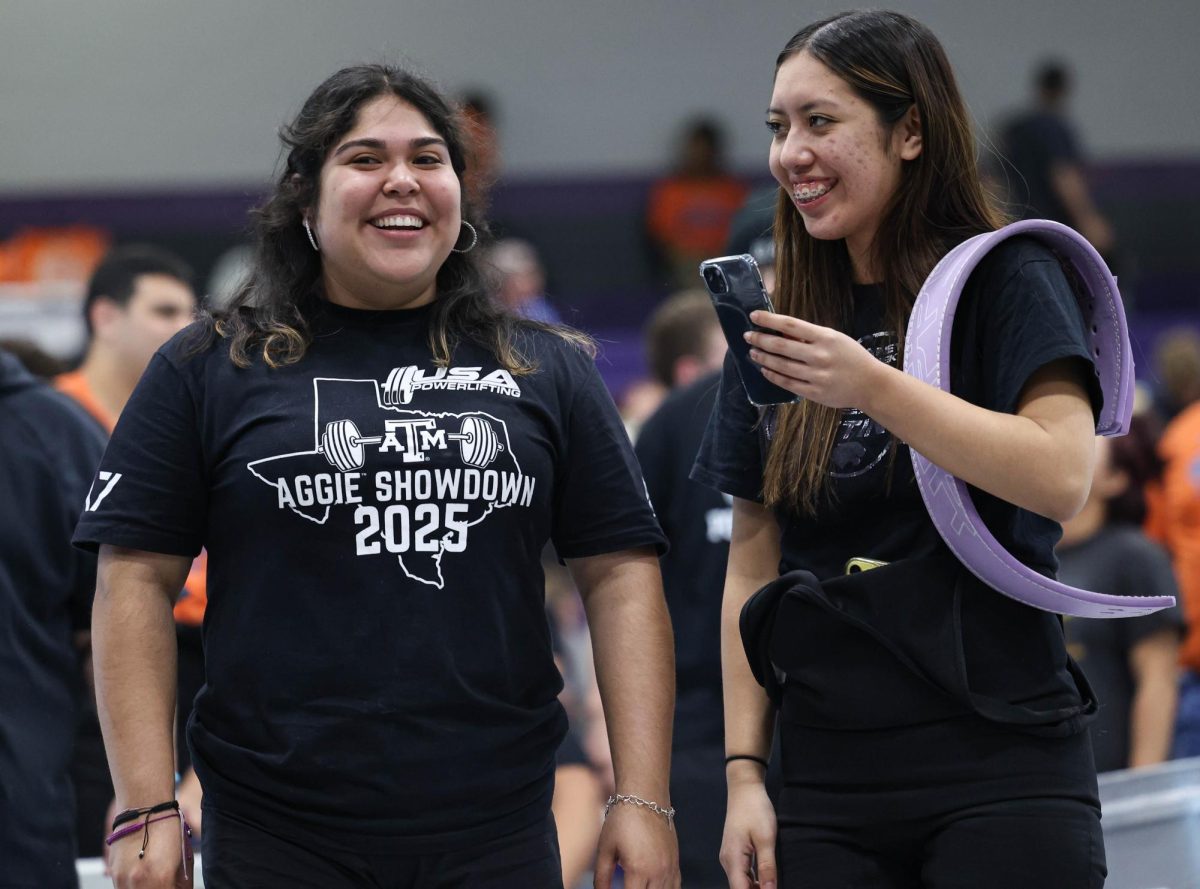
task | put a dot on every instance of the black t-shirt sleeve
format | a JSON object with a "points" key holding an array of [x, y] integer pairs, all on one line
{"points": [[730, 457], [151, 490], [654, 452], [1020, 315], [1150, 574], [601, 504]]}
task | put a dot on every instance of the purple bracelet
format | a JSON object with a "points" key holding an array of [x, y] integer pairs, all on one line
{"points": [[135, 827], [184, 833]]}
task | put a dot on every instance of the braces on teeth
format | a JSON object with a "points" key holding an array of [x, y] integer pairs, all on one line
{"points": [[809, 193]]}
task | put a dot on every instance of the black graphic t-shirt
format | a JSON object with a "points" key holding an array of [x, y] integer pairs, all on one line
{"points": [[379, 666], [874, 509], [1016, 315]]}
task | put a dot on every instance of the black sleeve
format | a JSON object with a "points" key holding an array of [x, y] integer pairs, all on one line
{"points": [[730, 458], [656, 455], [1019, 314], [601, 504], [151, 491], [88, 448], [1148, 572]]}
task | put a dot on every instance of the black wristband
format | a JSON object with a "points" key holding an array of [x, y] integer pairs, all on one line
{"points": [[130, 814], [758, 759]]}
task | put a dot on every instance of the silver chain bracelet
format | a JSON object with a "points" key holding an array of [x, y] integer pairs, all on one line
{"points": [[654, 807]]}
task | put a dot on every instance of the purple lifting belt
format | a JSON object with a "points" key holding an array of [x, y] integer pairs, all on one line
{"points": [[927, 357]]}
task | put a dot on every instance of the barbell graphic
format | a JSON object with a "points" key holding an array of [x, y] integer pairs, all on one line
{"points": [[343, 445]]}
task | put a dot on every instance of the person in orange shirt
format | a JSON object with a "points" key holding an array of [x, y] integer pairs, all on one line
{"points": [[689, 212], [1175, 522], [137, 298]]}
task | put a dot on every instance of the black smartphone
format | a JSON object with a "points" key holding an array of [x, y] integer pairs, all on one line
{"points": [[736, 288]]}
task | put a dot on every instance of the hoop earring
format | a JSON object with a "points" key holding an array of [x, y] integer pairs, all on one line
{"points": [[311, 239], [474, 240]]}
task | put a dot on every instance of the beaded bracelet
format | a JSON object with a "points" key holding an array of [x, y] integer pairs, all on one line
{"points": [[669, 814]]}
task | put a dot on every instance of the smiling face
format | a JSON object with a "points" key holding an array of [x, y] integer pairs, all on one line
{"points": [[389, 209], [833, 156]]}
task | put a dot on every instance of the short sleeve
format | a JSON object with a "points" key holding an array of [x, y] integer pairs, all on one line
{"points": [[1019, 314], [150, 492], [730, 456], [1150, 573], [601, 504], [654, 450]]}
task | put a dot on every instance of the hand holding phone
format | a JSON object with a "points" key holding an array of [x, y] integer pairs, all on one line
{"points": [[736, 289]]}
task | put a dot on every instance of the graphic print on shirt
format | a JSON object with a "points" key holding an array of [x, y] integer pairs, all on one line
{"points": [[861, 442], [416, 481]]}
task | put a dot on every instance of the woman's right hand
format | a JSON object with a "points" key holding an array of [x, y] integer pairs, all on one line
{"points": [[163, 867], [748, 845]]}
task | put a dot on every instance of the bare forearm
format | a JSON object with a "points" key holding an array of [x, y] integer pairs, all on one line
{"points": [[1017, 458], [749, 714], [1152, 723], [133, 636], [635, 667], [1156, 691]]}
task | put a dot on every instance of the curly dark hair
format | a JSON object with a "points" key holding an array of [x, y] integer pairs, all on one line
{"points": [[272, 311]]}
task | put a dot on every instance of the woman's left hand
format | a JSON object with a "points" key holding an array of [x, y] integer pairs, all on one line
{"points": [[819, 363], [643, 843]]}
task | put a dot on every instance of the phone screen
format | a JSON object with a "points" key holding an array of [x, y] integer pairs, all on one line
{"points": [[736, 289]]}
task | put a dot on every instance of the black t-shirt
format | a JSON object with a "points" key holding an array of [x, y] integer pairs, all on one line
{"points": [[50, 450], [1017, 314], [698, 522], [379, 666], [1119, 561]]}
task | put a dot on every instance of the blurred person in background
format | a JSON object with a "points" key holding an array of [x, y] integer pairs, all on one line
{"points": [[683, 339], [1175, 522], [686, 350], [689, 211], [1044, 169], [33, 358], [1177, 360], [1131, 663], [50, 449], [483, 141], [753, 231], [137, 298], [521, 280], [381, 699], [583, 768], [682, 342]]}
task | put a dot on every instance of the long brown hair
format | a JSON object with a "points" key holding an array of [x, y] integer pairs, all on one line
{"points": [[272, 312], [894, 63]]}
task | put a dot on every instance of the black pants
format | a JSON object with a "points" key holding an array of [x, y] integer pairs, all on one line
{"points": [[241, 855], [958, 803], [1055, 844]]}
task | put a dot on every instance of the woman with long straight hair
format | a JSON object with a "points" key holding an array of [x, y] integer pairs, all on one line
{"points": [[374, 456], [933, 731]]}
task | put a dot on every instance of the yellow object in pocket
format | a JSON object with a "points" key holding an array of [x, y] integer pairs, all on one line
{"points": [[853, 566]]}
